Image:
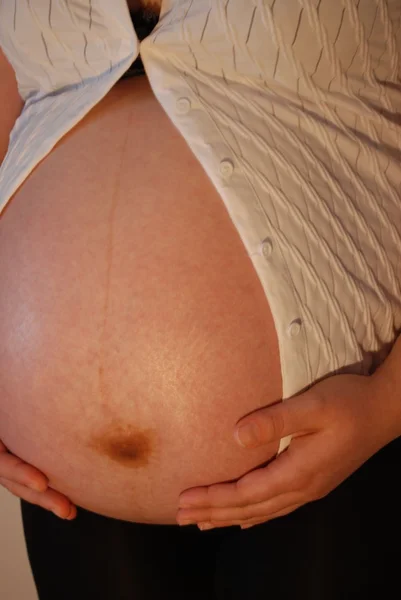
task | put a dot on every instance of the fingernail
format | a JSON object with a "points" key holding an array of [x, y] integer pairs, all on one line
{"points": [[183, 522], [246, 526], [205, 526], [247, 435], [71, 514], [60, 514]]}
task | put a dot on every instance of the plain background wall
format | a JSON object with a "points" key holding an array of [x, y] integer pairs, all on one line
{"points": [[16, 582]]}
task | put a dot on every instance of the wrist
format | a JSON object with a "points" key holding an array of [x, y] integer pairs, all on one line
{"points": [[386, 394]]}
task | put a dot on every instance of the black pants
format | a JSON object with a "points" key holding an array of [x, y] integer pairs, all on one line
{"points": [[345, 546]]}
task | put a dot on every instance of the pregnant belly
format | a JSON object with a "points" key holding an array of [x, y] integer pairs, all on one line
{"points": [[134, 330]]}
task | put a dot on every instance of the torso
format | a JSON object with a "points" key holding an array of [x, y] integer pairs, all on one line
{"points": [[135, 331]]}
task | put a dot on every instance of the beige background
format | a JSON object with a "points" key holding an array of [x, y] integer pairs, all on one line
{"points": [[16, 582]]}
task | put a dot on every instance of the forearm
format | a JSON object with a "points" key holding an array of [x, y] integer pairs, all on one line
{"points": [[10, 102], [386, 393]]}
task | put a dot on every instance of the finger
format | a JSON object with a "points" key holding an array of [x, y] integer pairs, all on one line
{"points": [[295, 416], [249, 522], [15, 469], [49, 500], [276, 478], [241, 514]]}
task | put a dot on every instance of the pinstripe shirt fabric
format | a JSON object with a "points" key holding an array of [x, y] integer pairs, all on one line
{"points": [[292, 107]]}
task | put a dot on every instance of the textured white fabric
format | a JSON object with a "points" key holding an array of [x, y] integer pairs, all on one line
{"points": [[293, 108]]}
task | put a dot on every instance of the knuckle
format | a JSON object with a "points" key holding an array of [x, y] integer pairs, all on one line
{"points": [[275, 425], [242, 492]]}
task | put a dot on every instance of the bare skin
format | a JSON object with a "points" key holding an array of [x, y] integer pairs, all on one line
{"points": [[150, 6], [10, 101], [135, 331]]}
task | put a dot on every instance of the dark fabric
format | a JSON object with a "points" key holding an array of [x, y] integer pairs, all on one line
{"points": [[343, 547], [144, 23]]}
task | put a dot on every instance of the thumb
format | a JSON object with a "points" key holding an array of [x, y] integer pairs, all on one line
{"points": [[295, 416]]}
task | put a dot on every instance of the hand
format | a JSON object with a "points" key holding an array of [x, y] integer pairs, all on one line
{"points": [[26, 482], [336, 426]]}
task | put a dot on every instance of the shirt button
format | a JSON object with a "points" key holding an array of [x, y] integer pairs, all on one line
{"points": [[226, 168], [183, 106], [267, 248], [294, 328]]}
